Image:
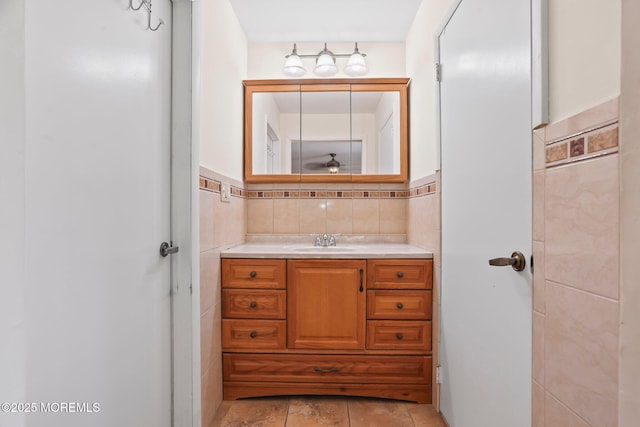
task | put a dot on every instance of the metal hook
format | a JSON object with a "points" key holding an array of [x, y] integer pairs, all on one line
{"points": [[142, 3], [148, 7]]}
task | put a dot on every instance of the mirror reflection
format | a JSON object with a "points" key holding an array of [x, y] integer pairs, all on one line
{"points": [[338, 132]]}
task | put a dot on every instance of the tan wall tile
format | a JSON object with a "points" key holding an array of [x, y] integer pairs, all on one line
{"points": [[207, 346], [206, 220], [539, 154], [211, 389], [366, 216], [339, 216], [260, 216], [209, 279], [558, 415], [313, 215], [537, 405], [423, 226], [598, 115], [581, 225], [393, 216], [538, 205], [581, 348], [537, 370], [538, 277], [286, 216]]}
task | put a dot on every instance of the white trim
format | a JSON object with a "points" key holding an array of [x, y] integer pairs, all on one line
{"points": [[539, 63], [436, 61], [184, 208]]}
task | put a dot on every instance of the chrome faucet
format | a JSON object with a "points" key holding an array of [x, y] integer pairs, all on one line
{"points": [[324, 240]]}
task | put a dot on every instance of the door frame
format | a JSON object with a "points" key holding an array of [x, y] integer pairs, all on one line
{"points": [[185, 369]]}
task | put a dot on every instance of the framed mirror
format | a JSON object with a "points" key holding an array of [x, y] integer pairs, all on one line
{"points": [[326, 130]]}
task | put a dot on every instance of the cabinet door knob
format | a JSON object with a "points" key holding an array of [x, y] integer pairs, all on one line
{"points": [[253, 274], [253, 334], [399, 336], [253, 304], [400, 274], [400, 306]]}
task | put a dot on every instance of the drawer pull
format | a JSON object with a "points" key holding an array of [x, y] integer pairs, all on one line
{"points": [[400, 274], [253, 334], [253, 274], [400, 306], [399, 336], [325, 371], [253, 304]]}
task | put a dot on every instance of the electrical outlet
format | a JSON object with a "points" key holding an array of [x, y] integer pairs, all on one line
{"points": [[225, 192]]}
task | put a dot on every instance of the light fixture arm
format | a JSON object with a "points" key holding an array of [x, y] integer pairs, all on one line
{"points": [[325, 50]]}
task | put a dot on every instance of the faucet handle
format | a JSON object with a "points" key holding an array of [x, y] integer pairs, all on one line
{"points": [[318, 239]]}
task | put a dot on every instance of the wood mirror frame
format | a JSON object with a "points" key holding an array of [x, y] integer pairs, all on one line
{"points": [[399, 85]]}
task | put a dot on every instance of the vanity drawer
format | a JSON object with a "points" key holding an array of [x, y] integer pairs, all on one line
{"points": [[254, 273], [400, 274], [253, 334], [254, 304], [388, 304], [327, 368], [398, 335]]}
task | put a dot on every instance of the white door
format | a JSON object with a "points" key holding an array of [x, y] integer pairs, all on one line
{"points": [[485, 348], [97, 173]]}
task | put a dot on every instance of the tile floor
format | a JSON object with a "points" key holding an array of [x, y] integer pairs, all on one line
{"points": [[325, 411]]}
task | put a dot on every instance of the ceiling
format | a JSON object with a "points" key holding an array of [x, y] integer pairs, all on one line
{"points": [[274, 21], [326, 102]]}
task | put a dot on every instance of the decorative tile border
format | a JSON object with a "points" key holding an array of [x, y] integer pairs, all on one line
{"points": [[583, 145], [207, 184]]}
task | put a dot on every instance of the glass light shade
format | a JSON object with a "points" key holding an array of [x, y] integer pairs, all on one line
{"points": [[325, 65], [356, 65], [293, 66], [333, 165]]}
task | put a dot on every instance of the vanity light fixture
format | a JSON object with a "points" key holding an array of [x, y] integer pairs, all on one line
{"points": [[326, 63], [333, 165]]}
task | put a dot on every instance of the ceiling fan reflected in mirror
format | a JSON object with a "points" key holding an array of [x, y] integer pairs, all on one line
{"points": [[332, 166]]}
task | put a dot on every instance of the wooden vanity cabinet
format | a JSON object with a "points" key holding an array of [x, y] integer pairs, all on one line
{"points": [[342, 327], [326, 304]]}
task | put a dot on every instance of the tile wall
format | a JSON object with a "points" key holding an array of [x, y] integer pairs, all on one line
{"points": [[576, 250], [423, 230], [221, 224], [360, 209]]}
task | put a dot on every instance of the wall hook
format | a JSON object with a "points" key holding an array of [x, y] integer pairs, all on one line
{"points": [[147, 6], [142, 2]]}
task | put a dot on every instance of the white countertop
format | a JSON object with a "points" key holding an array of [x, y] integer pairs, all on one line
{"points": [[340, 251]]}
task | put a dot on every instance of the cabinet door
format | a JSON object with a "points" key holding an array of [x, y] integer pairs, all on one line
{"points": [[326, 304]]}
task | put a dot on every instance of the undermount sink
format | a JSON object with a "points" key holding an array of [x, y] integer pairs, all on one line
{"points": [[325, 248]]}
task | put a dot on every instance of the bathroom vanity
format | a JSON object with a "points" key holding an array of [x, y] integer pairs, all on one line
{"points": [[343, 321]]}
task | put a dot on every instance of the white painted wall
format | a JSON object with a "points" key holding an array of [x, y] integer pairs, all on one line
{"points": [[584, 54], [13, 345], [223, 66], [388, 151], [265, 110], [420, 67], [265, 60]]}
